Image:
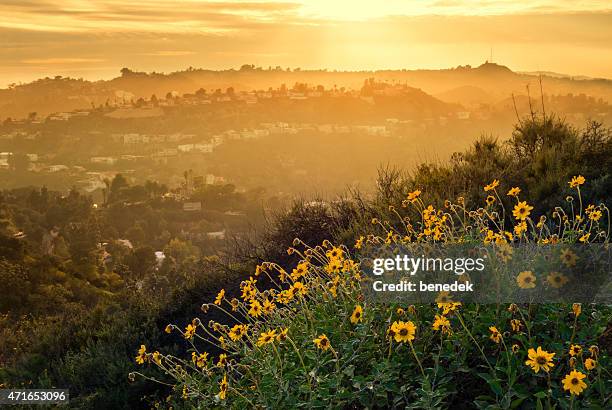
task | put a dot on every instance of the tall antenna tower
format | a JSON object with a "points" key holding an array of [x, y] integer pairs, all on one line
{"points": [[491, 56]]}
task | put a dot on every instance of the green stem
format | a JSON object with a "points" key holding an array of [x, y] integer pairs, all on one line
{"points": [[297, 352], [475, 342], [416, 358]]}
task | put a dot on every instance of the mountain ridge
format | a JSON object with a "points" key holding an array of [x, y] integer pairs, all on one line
{"points": [[496, 81]]}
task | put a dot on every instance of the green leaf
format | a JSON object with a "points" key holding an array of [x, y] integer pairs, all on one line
{"points": [[492, 382], [539, 405]]}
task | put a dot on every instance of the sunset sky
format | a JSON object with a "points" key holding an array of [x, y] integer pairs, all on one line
{"points": [[94, 39]]}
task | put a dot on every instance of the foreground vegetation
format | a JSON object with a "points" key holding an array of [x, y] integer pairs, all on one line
{"points": [[309, 338]]}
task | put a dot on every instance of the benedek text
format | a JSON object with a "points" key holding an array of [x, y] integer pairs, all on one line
{"points": [[405, 286]]}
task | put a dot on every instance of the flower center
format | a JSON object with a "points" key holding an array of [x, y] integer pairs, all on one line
{"points": [[541, 360], [574, 381], [403, 332]]}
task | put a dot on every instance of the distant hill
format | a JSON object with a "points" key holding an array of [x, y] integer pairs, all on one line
{"points": [[488, 82], [467, 95]]}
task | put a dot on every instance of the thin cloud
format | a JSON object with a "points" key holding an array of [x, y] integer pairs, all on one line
{"points": [[151, 16], [62, 60], [169, 53]]}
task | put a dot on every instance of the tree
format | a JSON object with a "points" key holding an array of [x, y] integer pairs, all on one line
{"points": [[179, 251], [141, 261], [106, 191], [118, 184], [83, 239], [126, 72], [15, 286], [11, 248]]}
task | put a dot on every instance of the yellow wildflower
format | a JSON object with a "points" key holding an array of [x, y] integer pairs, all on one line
{"points": [[495, 335], [573, 382], [576, 181], [299, 271], [156, 356], [222, 360], [258, 270], [357, 315], [539, 359], [266, 337], [403, 331], [282, 335], [220, 297], [442, 323], [556, 279], [223, 387], [577, 309], [575, 350], [412, 196], [142, 355], [568, 258], [237, 332], [359, 242], [491, 186], [199, 359], [189, 331], [514, 191], [322, 342], [448, 307], [505, 251], [595, 215], [335, 253], [590, 364], [255, 309], [520, 228], [526, 280], [268, 306], [522, 210], [299, 288]]}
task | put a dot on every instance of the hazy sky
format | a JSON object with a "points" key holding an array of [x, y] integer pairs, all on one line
{"points": [[94, 39]]}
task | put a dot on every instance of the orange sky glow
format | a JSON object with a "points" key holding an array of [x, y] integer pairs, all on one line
{"points": [[94, 39]]}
